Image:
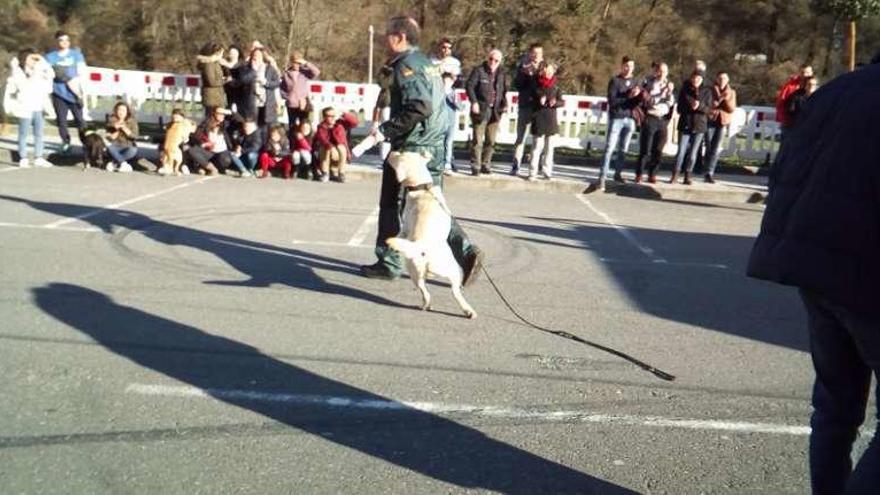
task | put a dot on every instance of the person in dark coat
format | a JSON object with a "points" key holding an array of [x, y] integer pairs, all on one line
{"points": [[694, 105], [258, 81], [796, 101], [821, 234], [544, 122], [487, 91]]}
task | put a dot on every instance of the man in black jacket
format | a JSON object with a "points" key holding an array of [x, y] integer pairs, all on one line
{"points": [[487, 92], [694, 105], [821, 233], [526, 73], [624, 95]]}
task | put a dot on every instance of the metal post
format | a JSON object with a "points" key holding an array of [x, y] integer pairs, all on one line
{"points": [[370, 62]]}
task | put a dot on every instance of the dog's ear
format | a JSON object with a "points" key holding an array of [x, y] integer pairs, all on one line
{"points": [[396, 162]]}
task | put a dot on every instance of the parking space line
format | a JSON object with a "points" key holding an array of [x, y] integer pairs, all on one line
{"points": [[623, 231], [496, 412], [43, 227], [369, 225], [99, 210], [719, 266]]}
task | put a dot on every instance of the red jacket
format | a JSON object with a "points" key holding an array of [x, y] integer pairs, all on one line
{"points": [[327, 136], [790, 86]]}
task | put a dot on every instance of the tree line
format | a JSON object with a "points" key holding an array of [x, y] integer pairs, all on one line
{"points": [[758, 42]]}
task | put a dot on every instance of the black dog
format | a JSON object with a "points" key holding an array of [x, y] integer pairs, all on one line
{"points": [[93, 149]]}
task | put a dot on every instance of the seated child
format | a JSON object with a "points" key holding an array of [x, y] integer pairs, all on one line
{"points": [[250, 140], [302, 149], [331, 141], [276, 153]]}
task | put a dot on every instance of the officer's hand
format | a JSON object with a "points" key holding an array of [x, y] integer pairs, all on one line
{"points": [[475, 108]]}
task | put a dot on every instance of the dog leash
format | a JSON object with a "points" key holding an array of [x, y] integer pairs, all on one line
{"points": [[570, 336]]}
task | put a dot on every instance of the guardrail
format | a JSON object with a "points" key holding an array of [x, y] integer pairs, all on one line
{"points": [[583, 119]]}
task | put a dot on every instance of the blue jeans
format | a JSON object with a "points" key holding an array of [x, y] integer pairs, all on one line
{"points": [[846, 350], [121, 154], [620, 131], [24, 126], [688, 145], [249, 160], [713, 147], [450, 144]]}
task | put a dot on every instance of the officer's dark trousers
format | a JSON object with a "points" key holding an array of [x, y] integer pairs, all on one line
{"points": [[846, 349], [391, 203]]}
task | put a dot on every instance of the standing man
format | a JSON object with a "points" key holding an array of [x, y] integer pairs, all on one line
{"points": [[694, 105], [793, 83], [67, 94], [624, 95], [444, 59], [487, 92], [450, 68], [525, 82], [821, 234], [659, 100], [417, 124]]}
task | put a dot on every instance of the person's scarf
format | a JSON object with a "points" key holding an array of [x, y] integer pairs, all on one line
{"points": [[545, 82]]}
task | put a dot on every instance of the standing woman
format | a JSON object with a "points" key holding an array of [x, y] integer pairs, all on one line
{"points": [[211, 70], [544, 123], [29, 87], [122, 130], [720, 116], [260, 100], [232, 69], [295, 89]]}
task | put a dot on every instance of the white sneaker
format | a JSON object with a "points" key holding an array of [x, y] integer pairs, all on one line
{"points": [[533, 178], [546, 176], [24, 163], [246, 175], [110, 167], [164, 171], [184, 170], [124, 167], [42, 162]]}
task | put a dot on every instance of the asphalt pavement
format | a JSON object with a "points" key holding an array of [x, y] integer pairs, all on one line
{"points": [[213, 335]]}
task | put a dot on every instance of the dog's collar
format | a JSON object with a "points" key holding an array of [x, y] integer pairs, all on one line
{"points": [[420, 187]]}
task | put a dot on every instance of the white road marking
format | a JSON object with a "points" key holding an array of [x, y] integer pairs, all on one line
{"points": [[624, 231], [719, 266], [368, 226], [481, 411], [98, 210], [43, 227], [297, 242]]}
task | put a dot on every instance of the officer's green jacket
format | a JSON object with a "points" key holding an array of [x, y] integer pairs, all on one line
{"points": [[418, 105]]}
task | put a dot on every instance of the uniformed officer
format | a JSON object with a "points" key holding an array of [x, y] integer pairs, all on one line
{"points": [[417, 123]]}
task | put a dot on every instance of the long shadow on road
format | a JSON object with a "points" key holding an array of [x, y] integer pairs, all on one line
{"points": [[263, 264], [427, 444], [702, 284]]}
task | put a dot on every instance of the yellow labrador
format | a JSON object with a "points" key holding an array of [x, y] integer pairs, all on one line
{"points": [[425, 227]]}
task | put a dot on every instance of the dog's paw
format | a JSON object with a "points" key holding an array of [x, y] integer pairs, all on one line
{"points": [[426, 307], [472, 315]]}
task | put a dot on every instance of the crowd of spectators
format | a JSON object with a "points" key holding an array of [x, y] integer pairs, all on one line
{"points": [[240, 130]]}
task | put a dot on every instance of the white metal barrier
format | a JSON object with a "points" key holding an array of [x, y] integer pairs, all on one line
{"points": [[583, 119]]}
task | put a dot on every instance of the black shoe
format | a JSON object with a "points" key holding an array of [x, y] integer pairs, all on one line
{"points": [[618, 177], [709, 179], [485, 170], [472, 266], [379, 271], [514, 170], [475, 171]]}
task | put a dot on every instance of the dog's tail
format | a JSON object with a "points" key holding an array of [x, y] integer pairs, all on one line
{"points": [[409, 249]]}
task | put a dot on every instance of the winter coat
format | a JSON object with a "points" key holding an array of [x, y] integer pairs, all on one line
{"points": [[479, 89], [277, 150], [544, 121], [295, 84], [524, 80], [621, 101], [248, 83], [28, 93], [213, 94], [821, 226], [791, 85], [723, 106], [690, 120], [121, 138]]}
